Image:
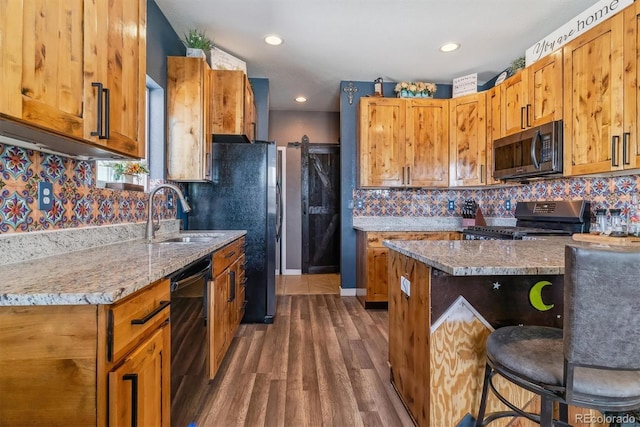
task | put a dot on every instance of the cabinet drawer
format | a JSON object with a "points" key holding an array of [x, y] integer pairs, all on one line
{"points": [[129, 321], [224, 257], [374, 239]]}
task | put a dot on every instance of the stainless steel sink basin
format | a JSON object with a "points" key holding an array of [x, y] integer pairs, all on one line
{"points": [[190, 239]]}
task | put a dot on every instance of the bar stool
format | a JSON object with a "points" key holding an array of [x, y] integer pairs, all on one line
{"points": [[594, 361]]}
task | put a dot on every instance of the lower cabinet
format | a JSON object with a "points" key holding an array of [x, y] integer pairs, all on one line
{"points": [[371, 262], [226, 301], [99, 365]]}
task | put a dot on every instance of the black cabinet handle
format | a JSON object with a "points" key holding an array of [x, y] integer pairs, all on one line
{"points": [[107, 107], [625, 147], [232, 286], [522, 117], [230, 254], [527, 113], [98, 131], [134, 397], [145, 319], [614, 155]]}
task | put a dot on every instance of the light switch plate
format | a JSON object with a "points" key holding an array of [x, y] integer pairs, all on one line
{"points": [[45, 196]]}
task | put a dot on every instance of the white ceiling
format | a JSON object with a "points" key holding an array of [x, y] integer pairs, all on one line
{"points": [[326, 41]]}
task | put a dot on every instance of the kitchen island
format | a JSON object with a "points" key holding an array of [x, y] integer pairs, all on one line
{"points": [[445, 297]]}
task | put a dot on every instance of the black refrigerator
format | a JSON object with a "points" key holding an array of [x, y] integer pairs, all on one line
{"points": [[242, 196]]}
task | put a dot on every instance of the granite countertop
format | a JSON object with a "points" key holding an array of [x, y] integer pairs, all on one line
{"points": [[544, 255], [102, 274], [391, 223]]}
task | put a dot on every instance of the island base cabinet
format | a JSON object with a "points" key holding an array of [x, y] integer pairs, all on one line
{"points": [[438, 327]]}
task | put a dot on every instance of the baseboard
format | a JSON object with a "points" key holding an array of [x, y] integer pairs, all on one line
{"points": [[292, 272], [347, 292]]}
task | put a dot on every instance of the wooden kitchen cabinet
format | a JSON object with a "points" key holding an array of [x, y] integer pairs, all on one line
{"points": [[468, 140], [533, 96], [77, 69], [189, 106], [86, 361], [371, 262], [409, 335], [402, 142], [600, 97], [494, 128], [226, 301], [233, 111]]}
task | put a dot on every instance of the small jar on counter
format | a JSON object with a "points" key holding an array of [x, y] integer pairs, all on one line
{"points": [[618, 226]]}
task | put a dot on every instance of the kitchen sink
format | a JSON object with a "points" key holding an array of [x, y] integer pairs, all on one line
{"points": [[192, 239]]}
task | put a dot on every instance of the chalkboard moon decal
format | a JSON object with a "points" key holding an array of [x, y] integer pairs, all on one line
{"points": [[535, 296]]}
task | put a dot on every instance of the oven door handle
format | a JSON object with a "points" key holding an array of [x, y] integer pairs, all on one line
{"points": [[536, 137]]}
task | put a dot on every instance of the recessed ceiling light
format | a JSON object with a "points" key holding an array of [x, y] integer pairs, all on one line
{"points": [[273, 40], [301, 99], [449, 47]]}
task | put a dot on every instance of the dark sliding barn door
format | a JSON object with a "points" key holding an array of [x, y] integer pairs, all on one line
{"points": [[320, 167]]}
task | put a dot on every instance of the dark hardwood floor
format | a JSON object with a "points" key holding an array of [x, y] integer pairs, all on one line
{"points": [[323, 362]]}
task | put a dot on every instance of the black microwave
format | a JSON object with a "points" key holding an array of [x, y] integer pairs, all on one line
{"points": [[531, 153]]}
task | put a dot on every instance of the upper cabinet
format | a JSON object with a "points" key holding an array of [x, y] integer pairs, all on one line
{"points": [[402, 142], [494, 128], [533, 96], [77, 69], [600, 96], [233, 113], [468, 140], [189, 100]]}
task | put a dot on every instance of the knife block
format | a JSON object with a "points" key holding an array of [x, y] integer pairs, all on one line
{"points": [[478, 220]]}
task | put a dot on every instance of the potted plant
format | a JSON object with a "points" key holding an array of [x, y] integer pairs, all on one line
{"points": [[197, 43], [128, 170], [517, 65]]}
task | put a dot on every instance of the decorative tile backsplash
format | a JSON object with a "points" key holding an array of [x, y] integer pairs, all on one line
{"points": [[615, 192], [77, 202]]}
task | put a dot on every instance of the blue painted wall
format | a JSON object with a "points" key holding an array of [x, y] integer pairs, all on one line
{"points": [[261, 99], [162, 41]]}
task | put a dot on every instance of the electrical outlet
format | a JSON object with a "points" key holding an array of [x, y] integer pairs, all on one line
{"points": [[45, 196], [170, 204], [507, 204], [359, 204], [451, 205]]}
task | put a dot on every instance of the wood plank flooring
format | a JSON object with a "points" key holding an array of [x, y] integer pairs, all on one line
{"points": [[323, 362]]}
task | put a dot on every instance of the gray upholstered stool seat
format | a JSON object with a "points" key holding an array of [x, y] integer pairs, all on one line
{"points": [[594, 361], [535, 353]]}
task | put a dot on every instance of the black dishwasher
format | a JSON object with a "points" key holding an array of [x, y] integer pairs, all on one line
{"points": [[189, 339]]}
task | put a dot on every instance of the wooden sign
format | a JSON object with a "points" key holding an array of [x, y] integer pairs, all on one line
{"points": [[588, 19], [465, 85]]}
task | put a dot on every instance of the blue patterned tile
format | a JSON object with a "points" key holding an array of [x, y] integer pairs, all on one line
{"points": [[624, 184], [15, 163], [54, 217], [15, 211]]}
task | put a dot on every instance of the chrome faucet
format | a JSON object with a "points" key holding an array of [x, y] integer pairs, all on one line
{"points": [[151, 227]]}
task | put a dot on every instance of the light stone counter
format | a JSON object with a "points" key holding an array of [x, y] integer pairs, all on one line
{"points": [[390, 223], [488, 257], [101, 274]]}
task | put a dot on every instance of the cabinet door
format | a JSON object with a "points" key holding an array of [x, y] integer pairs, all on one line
{"points": [[593, 99], [381, 142], [427, 143], [218, 324], [139, 389], [631, 87], [189, 82], [228, 113], [377, 282], [124, 46], [544, 95], [514, 101], [494, 128], [468, 136], [249, 111], [45, 54]]}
